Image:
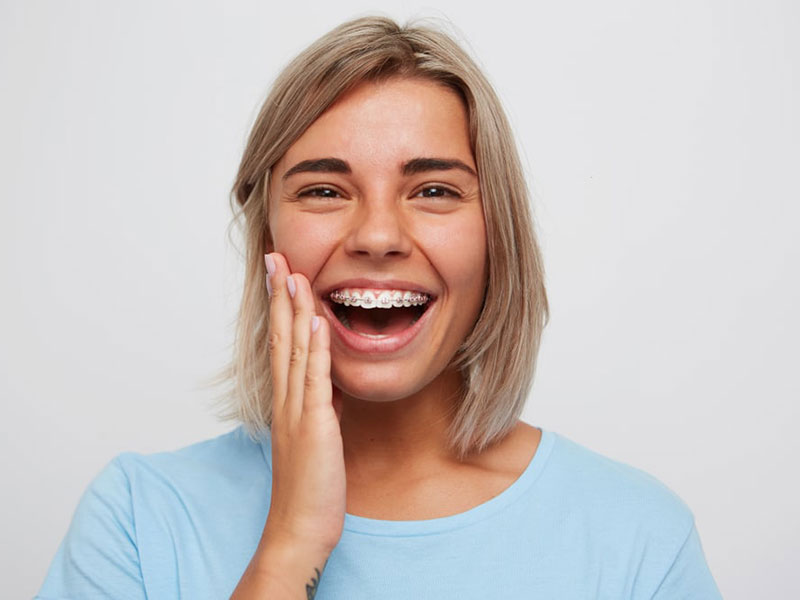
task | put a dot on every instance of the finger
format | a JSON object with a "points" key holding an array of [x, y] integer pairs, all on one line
{"points": [[303, 305], [280, 333], [318, 387], [337, 400]]}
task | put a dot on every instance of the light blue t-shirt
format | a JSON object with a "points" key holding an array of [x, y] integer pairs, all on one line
{"points": [[574, 525]]}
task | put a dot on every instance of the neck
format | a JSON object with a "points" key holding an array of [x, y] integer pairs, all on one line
{"points": [[385, 438]]}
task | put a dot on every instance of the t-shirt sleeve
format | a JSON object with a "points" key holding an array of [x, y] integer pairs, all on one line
{"points": [[689, 577], [98, 557]]}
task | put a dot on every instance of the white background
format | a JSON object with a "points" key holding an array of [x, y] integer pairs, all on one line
{"points": [[661, 141]]}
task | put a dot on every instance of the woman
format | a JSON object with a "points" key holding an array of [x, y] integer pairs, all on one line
{"points": [[381, 373]]}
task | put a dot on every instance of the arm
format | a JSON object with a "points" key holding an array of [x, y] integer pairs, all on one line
{"points": [[98, 557], [689, 577]]}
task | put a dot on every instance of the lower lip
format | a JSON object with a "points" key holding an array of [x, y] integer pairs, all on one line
{"points": [[385, 344]]}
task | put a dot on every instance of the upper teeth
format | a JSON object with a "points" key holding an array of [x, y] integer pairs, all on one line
{"points": [[378, 298]]}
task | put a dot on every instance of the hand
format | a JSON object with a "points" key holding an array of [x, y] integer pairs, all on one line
{"points": [[308, 473]]}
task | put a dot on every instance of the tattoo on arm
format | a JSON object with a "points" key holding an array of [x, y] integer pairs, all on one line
{"points": [[311, 588]]}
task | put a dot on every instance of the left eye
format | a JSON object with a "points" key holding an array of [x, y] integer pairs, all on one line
{"points": [[437, 191]]}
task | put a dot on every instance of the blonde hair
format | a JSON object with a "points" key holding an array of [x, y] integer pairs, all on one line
{"points": [[498, 358]]}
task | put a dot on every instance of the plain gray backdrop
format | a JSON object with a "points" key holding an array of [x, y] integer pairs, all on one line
{"points": [[661, 144]]}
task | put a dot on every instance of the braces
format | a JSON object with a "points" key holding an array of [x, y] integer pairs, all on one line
{"points": [[387, 299]]}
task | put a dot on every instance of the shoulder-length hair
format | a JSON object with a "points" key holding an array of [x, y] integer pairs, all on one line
{"points": [[498, 358]]}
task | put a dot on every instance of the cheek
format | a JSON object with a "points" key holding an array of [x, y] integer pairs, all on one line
{"points": [[305, 242], [458, 251]]}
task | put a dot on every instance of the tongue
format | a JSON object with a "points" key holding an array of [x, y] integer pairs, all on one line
{"points": [[380, 321]]}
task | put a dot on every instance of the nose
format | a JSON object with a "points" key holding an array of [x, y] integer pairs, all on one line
{"points": [[379, 230]]}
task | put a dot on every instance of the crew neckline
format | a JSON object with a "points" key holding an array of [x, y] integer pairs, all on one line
{"points": [[391, 528]]}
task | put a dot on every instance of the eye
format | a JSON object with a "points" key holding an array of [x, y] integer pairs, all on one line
{"points": [[438, 191], [319, 192]]}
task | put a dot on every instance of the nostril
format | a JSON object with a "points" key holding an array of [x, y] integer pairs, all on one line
{"points": [[381, 253], [379, 237]]}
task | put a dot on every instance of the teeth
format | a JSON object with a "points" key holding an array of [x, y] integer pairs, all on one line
{"points": [[378, 299], [368, 300]]}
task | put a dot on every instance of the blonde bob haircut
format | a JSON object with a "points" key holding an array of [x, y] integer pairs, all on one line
{"points": [[498, 358]]}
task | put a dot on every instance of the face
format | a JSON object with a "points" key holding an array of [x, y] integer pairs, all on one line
{"points": [[378, 205]]}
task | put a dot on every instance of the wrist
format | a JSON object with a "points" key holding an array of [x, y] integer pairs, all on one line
{"points": [[280, 570], [290, 560]]}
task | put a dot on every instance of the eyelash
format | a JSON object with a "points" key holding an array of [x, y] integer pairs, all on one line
{"points": [[447, 192]]}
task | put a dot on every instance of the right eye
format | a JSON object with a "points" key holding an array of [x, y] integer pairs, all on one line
{"points": [[319, 192]]}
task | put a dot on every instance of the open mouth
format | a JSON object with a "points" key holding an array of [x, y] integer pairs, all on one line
{"points": [[378, 313]]}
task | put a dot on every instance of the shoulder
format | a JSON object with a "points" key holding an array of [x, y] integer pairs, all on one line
{"points": [[136, 497], [612, 481], [216, 452], [608, 519], [622, 498], [221, 462], [206, 472]]}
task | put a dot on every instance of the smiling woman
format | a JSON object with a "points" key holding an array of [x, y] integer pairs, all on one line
{"points": [[393, 307]]}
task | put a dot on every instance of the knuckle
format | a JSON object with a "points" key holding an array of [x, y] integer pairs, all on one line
{"points": [[297, 354], [273, 341], [313, 380]]}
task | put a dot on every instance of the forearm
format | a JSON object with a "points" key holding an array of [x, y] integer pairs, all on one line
{"points": [[282, 572]]}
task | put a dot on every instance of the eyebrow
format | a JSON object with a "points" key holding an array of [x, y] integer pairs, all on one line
{"points": [[411, 167], [319, 165], [421, 165]]}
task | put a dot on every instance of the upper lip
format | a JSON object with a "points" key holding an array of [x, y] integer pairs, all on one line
{"points": [[378, 284]]}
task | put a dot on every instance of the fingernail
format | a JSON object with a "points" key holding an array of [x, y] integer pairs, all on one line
{"points": [[291, 285], [270, 264], [314, 323], [269, 286]]}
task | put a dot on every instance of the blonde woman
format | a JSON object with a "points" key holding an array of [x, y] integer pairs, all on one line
{"points": [[393, 306]]}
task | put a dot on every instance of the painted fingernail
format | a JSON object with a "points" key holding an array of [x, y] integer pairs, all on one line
{"points": [[314, 323], [291, 285], [270, 264], [269, 286]]}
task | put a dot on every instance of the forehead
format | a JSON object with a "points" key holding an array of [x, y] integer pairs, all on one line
{"points": [[385, 124]]}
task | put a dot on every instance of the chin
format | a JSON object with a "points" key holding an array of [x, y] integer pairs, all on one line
{"points": [[379, 384]]}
